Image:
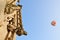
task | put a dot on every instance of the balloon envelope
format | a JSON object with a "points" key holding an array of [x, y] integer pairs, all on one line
{"points": [[53, 23]]}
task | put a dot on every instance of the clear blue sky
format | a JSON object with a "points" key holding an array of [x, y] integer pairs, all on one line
{"points": [[37, 16]]}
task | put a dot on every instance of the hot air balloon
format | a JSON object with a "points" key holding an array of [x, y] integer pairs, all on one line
{"points": [[53, 23]]}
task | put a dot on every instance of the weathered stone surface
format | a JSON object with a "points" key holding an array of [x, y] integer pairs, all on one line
{"points": [[3, 24]]}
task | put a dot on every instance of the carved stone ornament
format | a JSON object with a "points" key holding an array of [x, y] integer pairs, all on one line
{"points": [[10, 20]]}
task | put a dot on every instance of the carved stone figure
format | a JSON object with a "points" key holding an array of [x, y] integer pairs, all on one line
{"points": [[10, 20]]}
